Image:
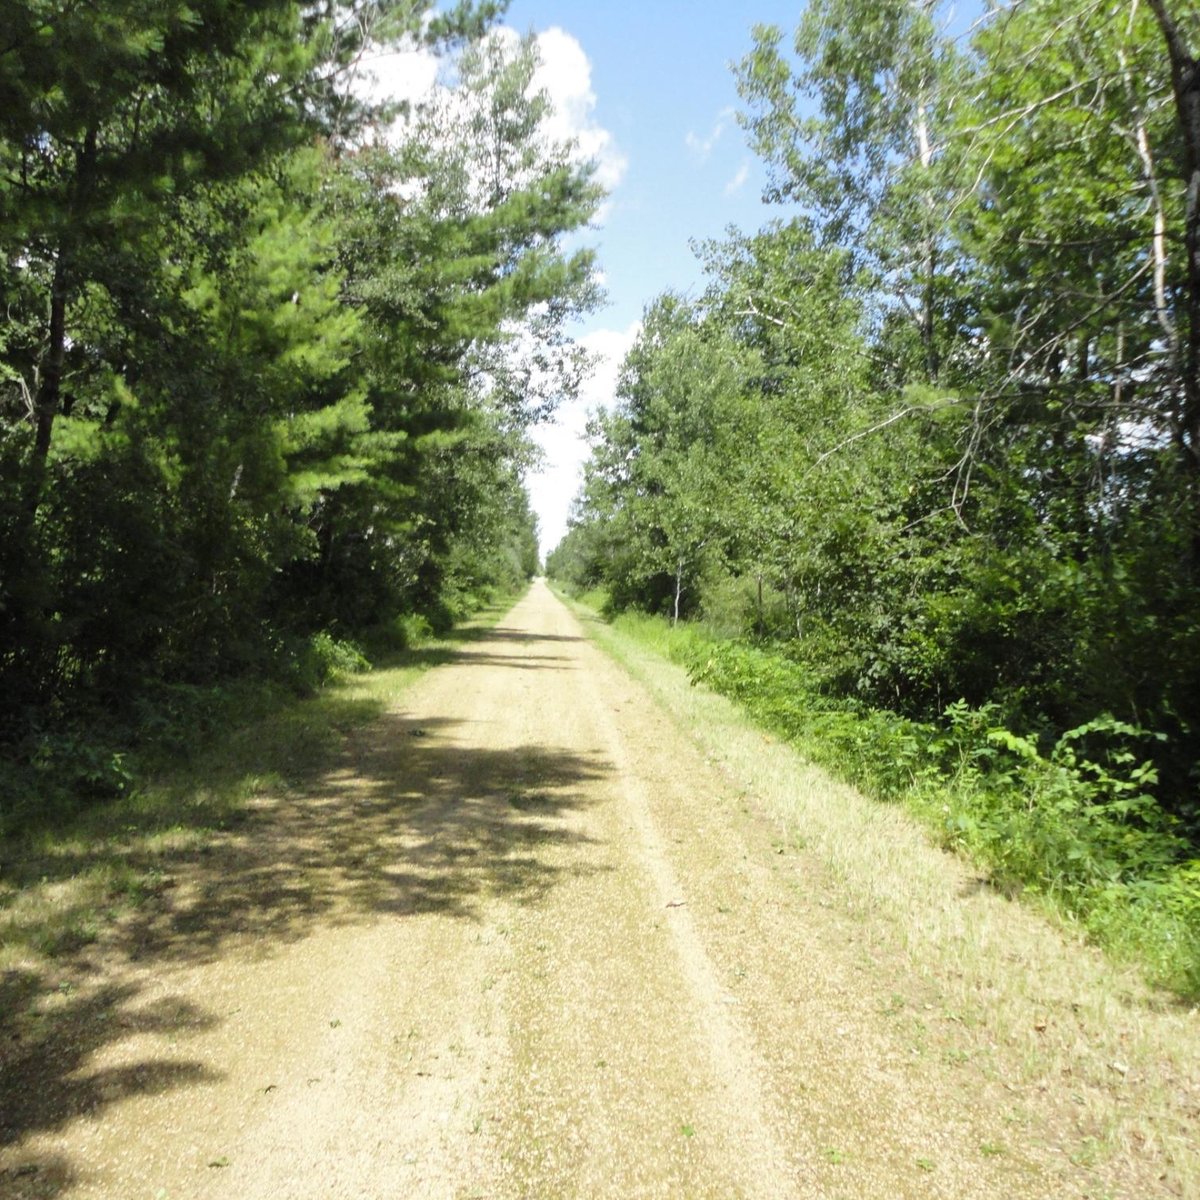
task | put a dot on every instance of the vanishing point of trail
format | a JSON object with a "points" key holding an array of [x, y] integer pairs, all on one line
{"points": [[521, 938]]}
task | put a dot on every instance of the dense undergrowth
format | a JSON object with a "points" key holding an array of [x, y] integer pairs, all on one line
{"points": [[1073, 824]]}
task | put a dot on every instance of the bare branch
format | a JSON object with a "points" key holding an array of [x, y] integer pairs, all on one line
{"points": [[907, 411]]}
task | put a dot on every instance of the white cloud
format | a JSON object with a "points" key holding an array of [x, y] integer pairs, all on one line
{"points": [[563, 440], [565, 74], [702, 147], [739, 180], [404, 74]]}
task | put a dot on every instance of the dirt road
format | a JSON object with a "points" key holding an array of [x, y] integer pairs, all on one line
{"points": [[522, 939]]}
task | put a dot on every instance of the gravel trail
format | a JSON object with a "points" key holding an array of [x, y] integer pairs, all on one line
{"points": [[521, 939]]}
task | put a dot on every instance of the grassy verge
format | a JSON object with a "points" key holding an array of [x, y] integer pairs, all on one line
{"points": [[73, 862], [1074, 829], [1049, 1017]]}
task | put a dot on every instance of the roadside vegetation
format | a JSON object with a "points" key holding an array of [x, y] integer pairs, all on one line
{"points": [[269, 356], [70, 865], [1080, 838], [925, 460]]}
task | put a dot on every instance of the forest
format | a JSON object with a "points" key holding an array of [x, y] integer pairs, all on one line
{"points": [[923, 460], [268, 358]]}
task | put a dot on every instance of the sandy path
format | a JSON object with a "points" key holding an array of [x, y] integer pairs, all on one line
{"points": [[520, 940]]}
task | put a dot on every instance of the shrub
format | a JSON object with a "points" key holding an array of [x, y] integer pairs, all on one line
{"points": [[1077, 823], [322, 658]]}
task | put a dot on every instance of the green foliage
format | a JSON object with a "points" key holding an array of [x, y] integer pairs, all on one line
{"points": [[1071, 822], [323, 658], [1078, 824], [265, 379]]}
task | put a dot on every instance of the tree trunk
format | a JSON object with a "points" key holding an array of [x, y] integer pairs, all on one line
{"points": [[1185, 81], [929, 313], [49, 392], [48, 400], [928, 328], [678, 590]]}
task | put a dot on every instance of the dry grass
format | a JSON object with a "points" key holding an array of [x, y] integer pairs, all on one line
{"points": [[1053, 1020]]}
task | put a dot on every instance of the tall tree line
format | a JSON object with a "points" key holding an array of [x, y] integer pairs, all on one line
{"points": [[268, 351], [938, 432]]}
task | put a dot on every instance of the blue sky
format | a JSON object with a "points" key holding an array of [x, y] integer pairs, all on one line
{"points": [[648, 85], [663, 88]]}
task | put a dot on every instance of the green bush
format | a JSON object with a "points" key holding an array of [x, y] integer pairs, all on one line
{"points": [[391, 637], [1156, 920], [322, 658], [1077, 823], [61, 771]]}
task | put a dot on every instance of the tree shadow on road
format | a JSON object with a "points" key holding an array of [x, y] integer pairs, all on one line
{"points": [[387, 820], [47, 1080], [405, 820], [506, 647]]}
